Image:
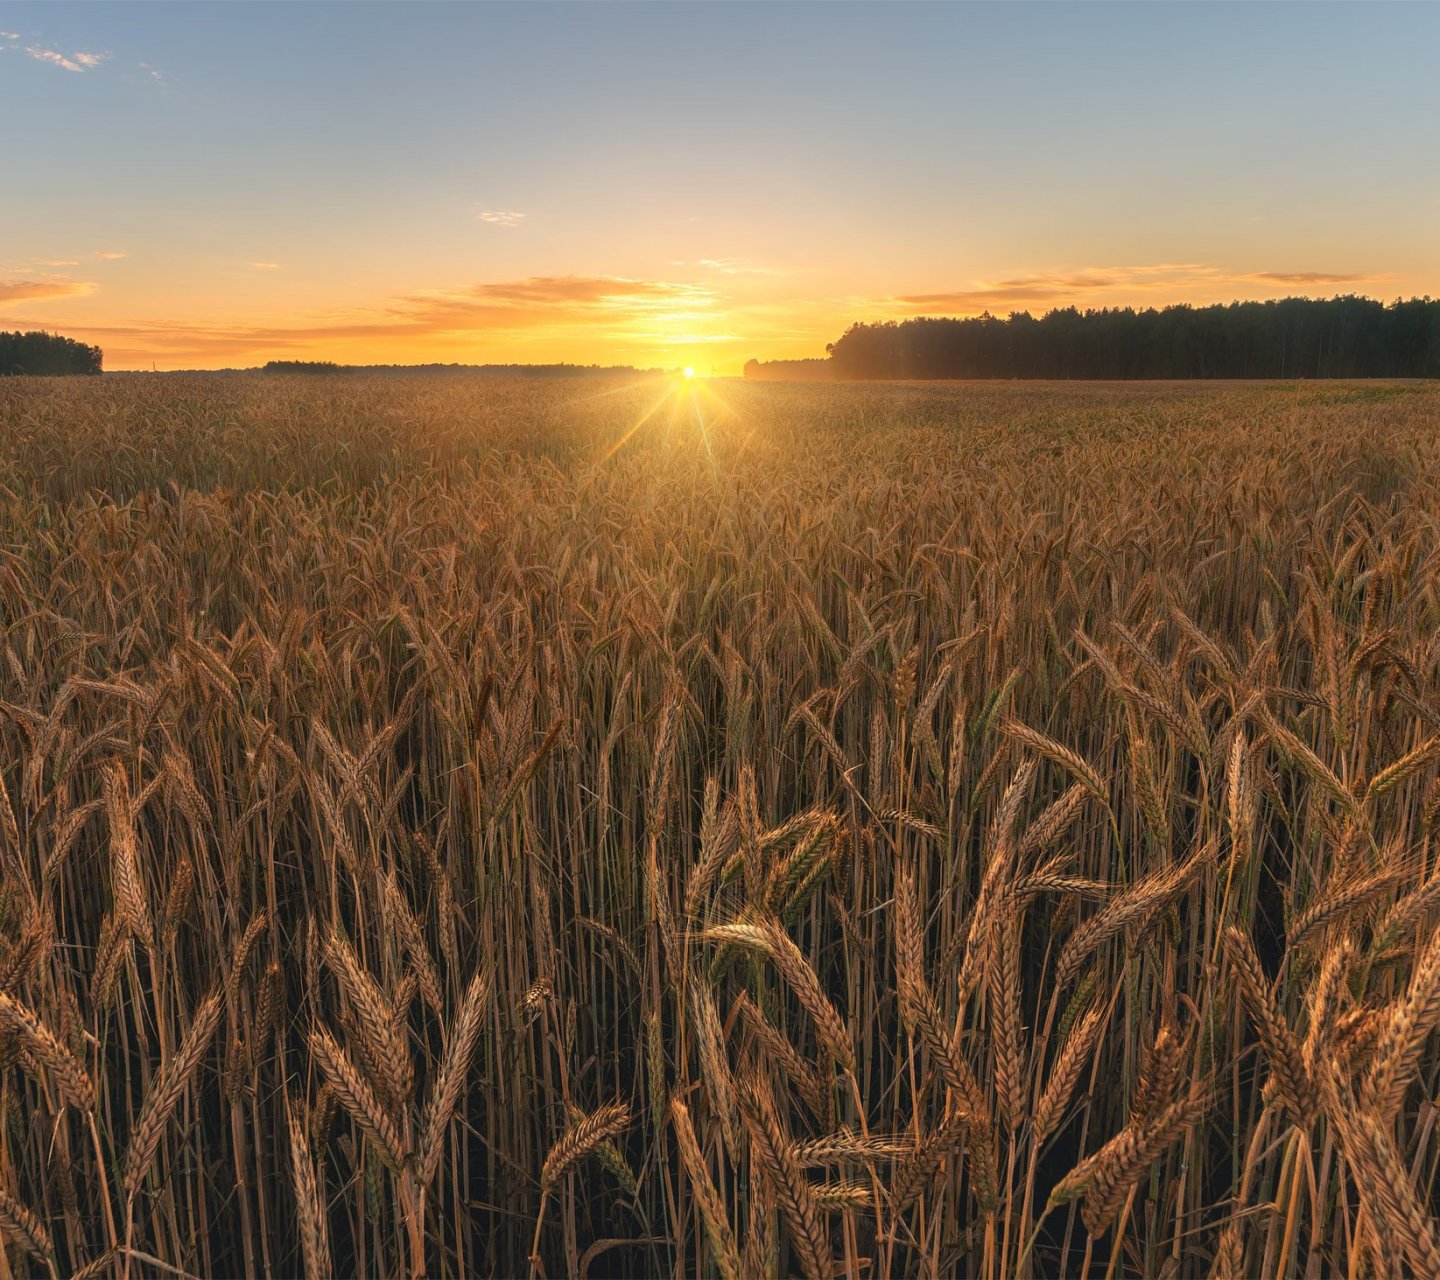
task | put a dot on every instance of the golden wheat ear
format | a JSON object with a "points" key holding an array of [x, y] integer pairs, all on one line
{"points": [[358, 1098], [310, 1206], [449, 1085], [580, 1139], [779, 1164], [24, 1228], [712, 1207], [71, 1079], [166, 1090]]}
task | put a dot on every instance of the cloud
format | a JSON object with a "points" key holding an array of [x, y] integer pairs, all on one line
{"points": [[1113, 286], [501, 217], [264, 266], [76, 62], [1311, 277], [729, 267], [29, 290], [57, 262], [9, 35], [111, 255], [608, 303]]}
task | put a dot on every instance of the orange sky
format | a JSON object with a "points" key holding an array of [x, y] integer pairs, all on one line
{"points": [[216, 186]]}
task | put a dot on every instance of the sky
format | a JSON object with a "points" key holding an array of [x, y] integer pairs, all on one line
{"points": [[215, 185]]}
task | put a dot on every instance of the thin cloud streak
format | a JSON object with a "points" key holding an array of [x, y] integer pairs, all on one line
{"points": [[1171, 279], [501, 217], [1311, 277], [30, 290]]}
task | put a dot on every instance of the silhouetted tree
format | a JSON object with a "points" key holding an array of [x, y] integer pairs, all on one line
{"points": [[47, 354], [1345, 337]]}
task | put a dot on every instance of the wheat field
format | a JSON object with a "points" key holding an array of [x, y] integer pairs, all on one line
{"points": [[480, 827]]}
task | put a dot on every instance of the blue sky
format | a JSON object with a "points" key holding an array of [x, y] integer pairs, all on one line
{"points": [[673, 183]]}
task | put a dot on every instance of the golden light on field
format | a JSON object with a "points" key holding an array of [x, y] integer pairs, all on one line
{"points": [[855, 754]]}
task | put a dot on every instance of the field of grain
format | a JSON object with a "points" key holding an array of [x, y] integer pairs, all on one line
{"points": [[462, 827]]}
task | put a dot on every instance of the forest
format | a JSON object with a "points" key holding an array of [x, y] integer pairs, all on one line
{"points": [[1344, 337], [47, 354]]}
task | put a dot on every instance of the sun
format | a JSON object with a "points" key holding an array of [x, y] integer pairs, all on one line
{"points": [[689, 371]]}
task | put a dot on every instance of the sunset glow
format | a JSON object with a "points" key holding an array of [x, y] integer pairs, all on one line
{"points": [[207, 186]]}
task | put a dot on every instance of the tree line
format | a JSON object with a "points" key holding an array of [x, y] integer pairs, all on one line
{"points": [[1343, 337], [47, 354]]}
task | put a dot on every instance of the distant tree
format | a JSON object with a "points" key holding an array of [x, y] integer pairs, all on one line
{"points": [[1345, 337], [302, 366], [47, 355]]}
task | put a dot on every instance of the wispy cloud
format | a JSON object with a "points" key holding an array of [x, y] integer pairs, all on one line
{"points": [[501, 217], [1311, 277], [662, 310], [264, 266], [76, 62], [29, 290], [111, 255], [729, 266], [1102, 286], [57, 262]]}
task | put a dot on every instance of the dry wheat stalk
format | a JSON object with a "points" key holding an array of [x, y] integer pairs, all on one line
{"points": [[1106, 1178], [1407, 766], [130, 900], [916, 1173], [837, 1148]]}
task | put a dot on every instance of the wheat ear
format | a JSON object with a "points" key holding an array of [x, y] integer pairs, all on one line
{"points": [[780, 1167], [357, 1097], [165, 1091], [454, 1071], [25, 1229], [582, 1138], [309, 1203], [712, 1207], [72, 1080]]}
